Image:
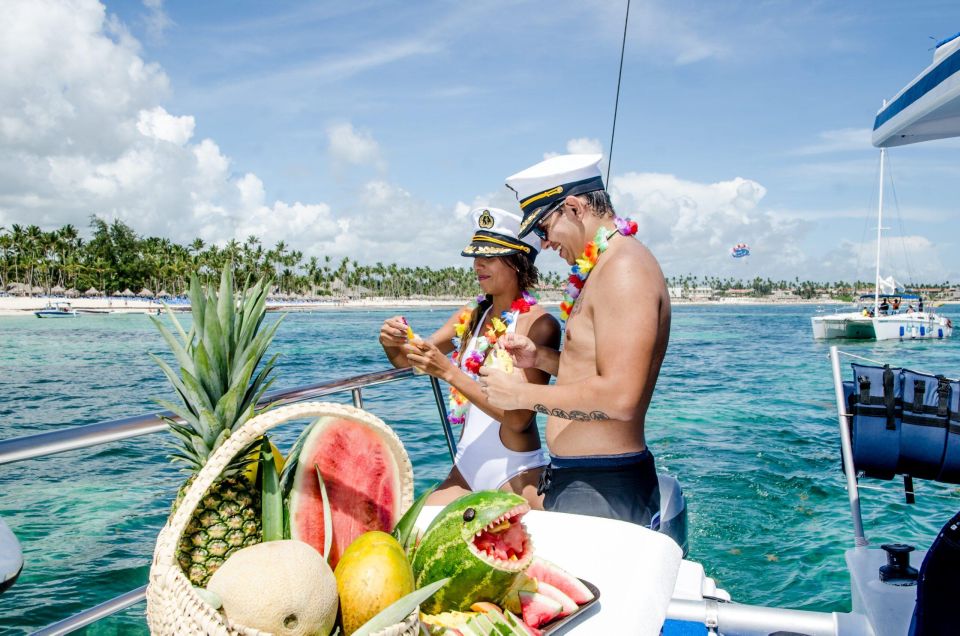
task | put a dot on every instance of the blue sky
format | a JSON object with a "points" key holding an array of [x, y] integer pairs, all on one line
{"points": [[369, 129]]}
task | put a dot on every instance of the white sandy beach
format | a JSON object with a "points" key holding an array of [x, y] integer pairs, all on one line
{"points": [[26, 305]]}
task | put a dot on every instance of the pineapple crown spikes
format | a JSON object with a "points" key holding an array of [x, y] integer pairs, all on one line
{"points": [[219, 383]]}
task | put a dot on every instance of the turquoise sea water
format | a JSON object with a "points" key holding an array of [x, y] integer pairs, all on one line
{"points": [[743, 415]]}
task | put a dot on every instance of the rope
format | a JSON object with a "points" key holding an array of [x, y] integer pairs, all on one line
{"points": [[616, 102], [872, 361], [896, 206]]}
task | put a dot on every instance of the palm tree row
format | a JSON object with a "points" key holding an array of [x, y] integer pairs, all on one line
{"points": [[116, 258], [765, 286]]}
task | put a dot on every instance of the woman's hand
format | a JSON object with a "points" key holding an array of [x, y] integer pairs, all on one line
{"points": [[393, 332], [428, 358], [522, 348]]}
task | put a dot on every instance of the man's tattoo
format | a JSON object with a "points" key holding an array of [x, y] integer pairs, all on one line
{"points": [[580, 416]]}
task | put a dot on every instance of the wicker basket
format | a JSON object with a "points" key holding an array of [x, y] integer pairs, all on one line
{"points": [[173, 606]]}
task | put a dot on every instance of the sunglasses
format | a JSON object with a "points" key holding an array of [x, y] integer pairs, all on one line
{"points": [[540, 229]]}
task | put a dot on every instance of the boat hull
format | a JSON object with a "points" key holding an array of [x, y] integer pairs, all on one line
{"points": [[55, 314], [913, 326]]}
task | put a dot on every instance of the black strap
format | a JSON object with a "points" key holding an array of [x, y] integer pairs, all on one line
{"points": [[888, 398], [864, 383], [943, 396], [919, 390]]}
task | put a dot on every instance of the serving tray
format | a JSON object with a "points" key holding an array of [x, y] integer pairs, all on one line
{"points": [[555, 625]]}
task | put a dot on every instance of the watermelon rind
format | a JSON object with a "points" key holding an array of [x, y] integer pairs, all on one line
{"points": [[294, 472], [447, 550], [546, 572]]}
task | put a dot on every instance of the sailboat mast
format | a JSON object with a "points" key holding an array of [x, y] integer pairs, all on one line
{"points": [[876, 280]]}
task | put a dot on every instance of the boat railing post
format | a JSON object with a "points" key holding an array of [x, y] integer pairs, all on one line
{"points": [[441, 406], [357, 398], [846, 450]]}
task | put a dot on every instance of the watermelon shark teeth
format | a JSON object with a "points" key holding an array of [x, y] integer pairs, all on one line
{"points": [[504, 542]]}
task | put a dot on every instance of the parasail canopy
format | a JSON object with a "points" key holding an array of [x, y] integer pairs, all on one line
{"points": [[928, 107], [740, 250]]}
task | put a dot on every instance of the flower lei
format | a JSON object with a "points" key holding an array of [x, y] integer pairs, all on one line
{"points": [[475, 358], [584, 265]]}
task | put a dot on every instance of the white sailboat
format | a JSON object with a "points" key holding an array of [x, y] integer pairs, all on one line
{"points": [[887, 314]]}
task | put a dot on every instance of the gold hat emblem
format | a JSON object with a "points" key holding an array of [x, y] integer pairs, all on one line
{"points": [[486, 220]]}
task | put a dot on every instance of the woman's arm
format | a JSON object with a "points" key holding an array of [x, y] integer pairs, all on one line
{"points": [[394, 340]]}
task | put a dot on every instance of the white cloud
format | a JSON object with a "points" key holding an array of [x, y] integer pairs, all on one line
{"points": [[157, 20], [351, 146], [690, 226], [584, 146], [841, 140], [160, 124]]}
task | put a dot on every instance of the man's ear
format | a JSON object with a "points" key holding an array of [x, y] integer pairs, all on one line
{"points": [[577, 206]]}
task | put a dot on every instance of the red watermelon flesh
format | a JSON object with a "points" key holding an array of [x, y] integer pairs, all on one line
{"points": [[567, 603], [361, 477], [546, 572], [538, 609]]}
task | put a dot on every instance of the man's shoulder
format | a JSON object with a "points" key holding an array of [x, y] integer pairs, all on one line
{"points": [[631, 258]]}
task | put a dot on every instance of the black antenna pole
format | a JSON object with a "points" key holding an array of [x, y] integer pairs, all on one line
{"points": [[616, 103]]}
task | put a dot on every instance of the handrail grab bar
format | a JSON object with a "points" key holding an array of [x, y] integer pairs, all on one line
{"points": [[59, 441], [92, 615]]}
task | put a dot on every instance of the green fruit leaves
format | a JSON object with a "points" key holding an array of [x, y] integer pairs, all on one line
{"points": [[404, 529], [271, 501], [327, 520], [399, 609]]}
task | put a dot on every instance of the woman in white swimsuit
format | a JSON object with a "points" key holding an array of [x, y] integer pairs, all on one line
{"points": [[498, 450]]}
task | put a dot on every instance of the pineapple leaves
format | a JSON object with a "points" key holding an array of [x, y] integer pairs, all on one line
{"points": [[403, 531], [271, 501], [327, 521], [218, 380], [399, 609]]}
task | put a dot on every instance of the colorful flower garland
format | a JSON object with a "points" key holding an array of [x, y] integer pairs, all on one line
{"points": [[475, 358], [584, 265]]}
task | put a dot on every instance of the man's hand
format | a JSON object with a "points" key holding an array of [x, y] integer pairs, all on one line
{"points": [[428, 358], [393, 332], [502, 389], [522, 348]]}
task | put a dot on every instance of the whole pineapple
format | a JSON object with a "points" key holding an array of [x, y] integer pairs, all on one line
{"points": [[218, 390]]}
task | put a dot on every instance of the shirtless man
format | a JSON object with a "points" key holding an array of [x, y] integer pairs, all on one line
{"points": [[615, 340]]}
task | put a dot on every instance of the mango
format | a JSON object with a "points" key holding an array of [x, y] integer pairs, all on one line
{"points": [[373, 572]]}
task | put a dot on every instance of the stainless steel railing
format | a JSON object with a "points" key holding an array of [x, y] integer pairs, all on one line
{"points": [[77, 437], [42, 444]]}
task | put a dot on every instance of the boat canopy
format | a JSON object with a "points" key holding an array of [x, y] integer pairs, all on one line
{"points": [[927, 108]]}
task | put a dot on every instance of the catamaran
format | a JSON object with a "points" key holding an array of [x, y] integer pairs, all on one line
{"points": [[886, 314]]}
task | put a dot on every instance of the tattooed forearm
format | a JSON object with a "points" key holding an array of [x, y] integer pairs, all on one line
{"points": [[580, 416]]}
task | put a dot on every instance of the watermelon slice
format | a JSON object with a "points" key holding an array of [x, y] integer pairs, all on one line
{"points": [[546, 572], [568, 604], [538, 609], [366, 472], [519, 627]]}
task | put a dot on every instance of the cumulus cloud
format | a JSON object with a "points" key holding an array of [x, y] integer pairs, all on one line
{"points": [[85, 133], [691, 226], [908, 259], [350, 146]]}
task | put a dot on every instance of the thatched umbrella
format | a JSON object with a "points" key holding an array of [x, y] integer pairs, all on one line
{"points": [[126, 293], [145, 293], [163, 293], [57, 289], [91, 292], [71, 293]]}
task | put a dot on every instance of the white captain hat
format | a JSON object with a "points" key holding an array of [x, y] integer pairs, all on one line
{"points": [[543, 186], [496, 233]]}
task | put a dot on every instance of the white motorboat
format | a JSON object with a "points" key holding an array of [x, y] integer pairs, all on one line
{"points": [[56, 310], [11, 557]]}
